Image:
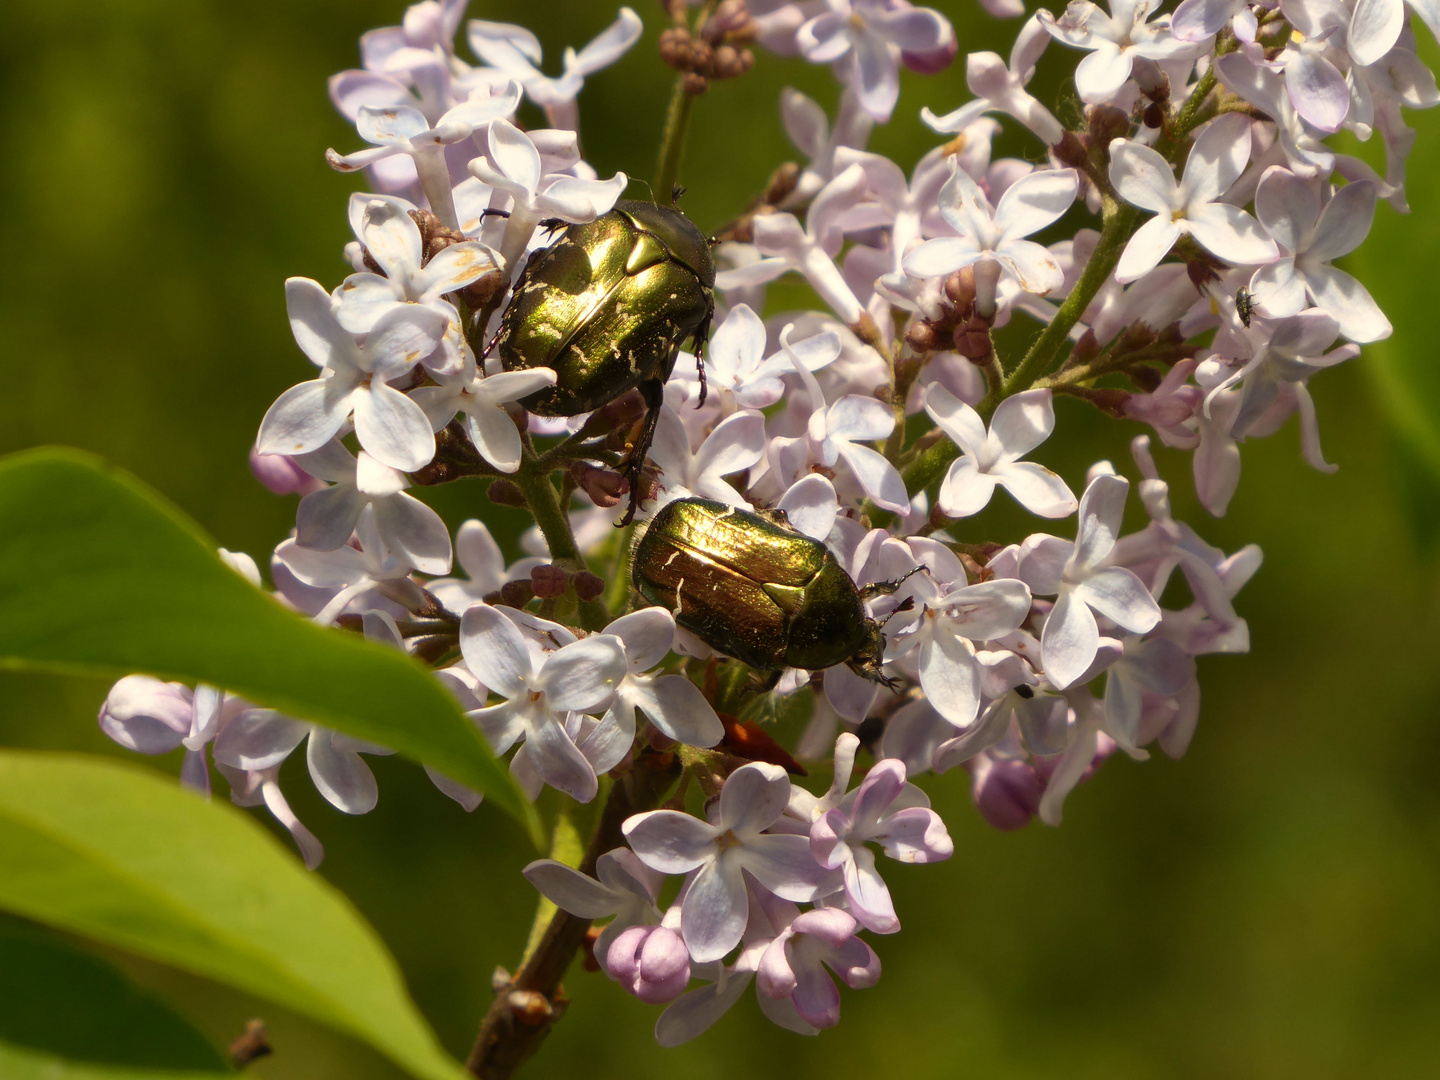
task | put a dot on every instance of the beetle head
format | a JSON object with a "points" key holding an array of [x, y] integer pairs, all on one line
{"points": [[869, 659]]}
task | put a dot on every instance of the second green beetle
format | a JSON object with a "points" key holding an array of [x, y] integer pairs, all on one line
{"points": [[608, 306], [755, 588]]}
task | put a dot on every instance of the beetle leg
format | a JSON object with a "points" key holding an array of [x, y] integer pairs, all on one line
{"points": [[492, 212], [702, 335], [885, 588], [768, 683], [653, 391]]}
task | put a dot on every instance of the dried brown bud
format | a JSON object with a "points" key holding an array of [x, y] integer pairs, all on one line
{"points": [[921, 337], [1086, 348], [1107, 123], [589, 586], [695, 85], [782, 183], [483, 289], [548, 581], [605, 487], [1136, 336], [506, 493], [516, 594], [972, 340], [1072, 150]]}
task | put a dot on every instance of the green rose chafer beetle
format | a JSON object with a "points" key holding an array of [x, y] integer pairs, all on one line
{"points": [[752, 586], [608, 306]]}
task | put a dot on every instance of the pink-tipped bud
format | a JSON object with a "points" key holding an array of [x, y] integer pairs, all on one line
{"points": [[282, 475]]}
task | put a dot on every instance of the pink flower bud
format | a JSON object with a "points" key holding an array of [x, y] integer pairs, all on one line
{"points": [[281, 474]]}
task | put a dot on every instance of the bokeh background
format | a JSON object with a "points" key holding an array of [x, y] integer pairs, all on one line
{"points": [[1266, 907]]}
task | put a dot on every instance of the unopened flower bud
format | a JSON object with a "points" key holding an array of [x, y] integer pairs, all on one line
{"points": [[1107, 123], [1007, 793], [548, 581], [483, 289], [960, 287], [516, 594], [281, 474], [506, 493], [605, 487], [696, 84], [1151, 79], [931, 61], [1073, 150], [588, 586], [921, 337], [1087, 348], [972, 340]]}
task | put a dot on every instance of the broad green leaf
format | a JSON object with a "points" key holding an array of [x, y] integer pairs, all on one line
{"points": [[99, 574], [117, 853], [55, 997], [17, 1063]]}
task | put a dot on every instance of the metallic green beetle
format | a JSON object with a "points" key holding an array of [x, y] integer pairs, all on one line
{"points": [[755, 588], [608, 306]]}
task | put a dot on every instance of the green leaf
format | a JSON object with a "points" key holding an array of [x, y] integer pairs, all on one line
{"points": [[100, 575], [117, 853], [54, 997], [24, 1064]]}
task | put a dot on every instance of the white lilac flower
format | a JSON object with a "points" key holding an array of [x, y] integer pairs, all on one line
{"points": [[393, 240], [579, 677], [838, 431], [736, 444], [1149, 666], [1316, 87], [355, 378], [1084, 585], [995, 236], [673, 703], [793, 964], [810, 131], [484, 564], [1143, 178], [403, 129], [1290, 352], [1115, 42], [992, 457], [1000, 87], [261, 787], [1301, 142], [352, 573], [256, 740], [513, 167], [739, 372], [482, 399], [1216, 460], [810, 250], [516, 51], [627, 890], [408, 528], [885, 810], [950, 617], [868, 36], [719, 853], [1376, 24], [1310, 237]]}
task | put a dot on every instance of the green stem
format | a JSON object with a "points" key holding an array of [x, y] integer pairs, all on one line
{"points": [[534, 483], [672, 145], [617, 589]]}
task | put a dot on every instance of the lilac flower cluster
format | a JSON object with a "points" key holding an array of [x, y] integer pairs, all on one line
{"points": [[1176, 251]]}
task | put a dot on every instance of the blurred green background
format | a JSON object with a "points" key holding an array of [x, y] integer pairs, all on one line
{"points": [[1266, 907]]}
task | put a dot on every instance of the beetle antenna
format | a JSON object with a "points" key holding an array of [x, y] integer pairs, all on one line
{"points": [[676, 191], [637, 180]]}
